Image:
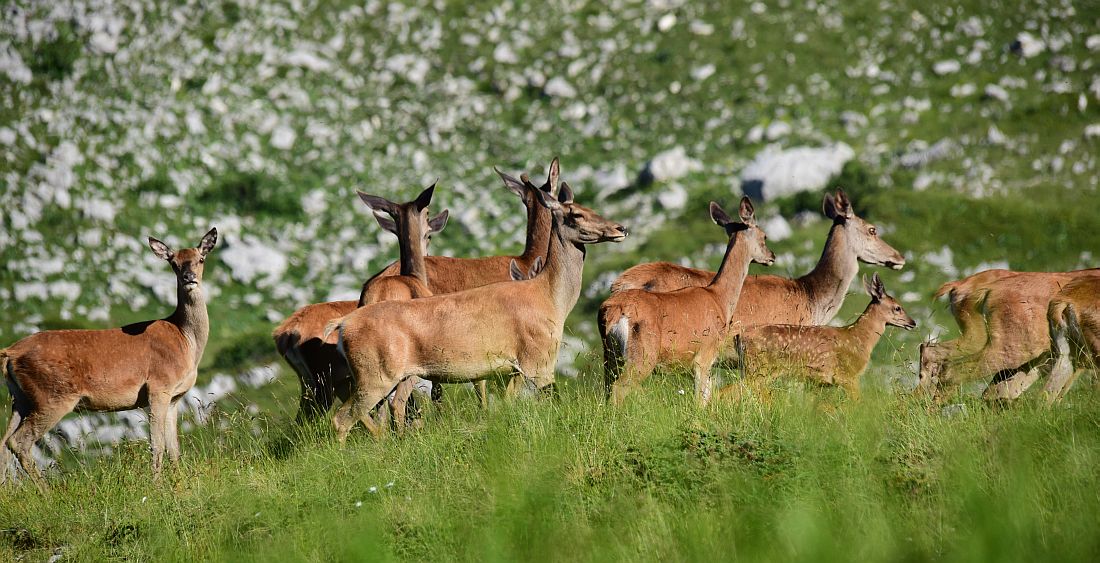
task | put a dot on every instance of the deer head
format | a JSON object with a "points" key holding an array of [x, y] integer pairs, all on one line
{"points": [[861, 236], [186, 263], [409, 221], [886, 305], [751, 234], [578, 224]]}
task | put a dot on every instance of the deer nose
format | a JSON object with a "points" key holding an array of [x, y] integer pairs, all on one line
{"points": [[622, 229]]}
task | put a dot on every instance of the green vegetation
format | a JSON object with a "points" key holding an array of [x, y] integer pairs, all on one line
{"points": [[808, 478]]}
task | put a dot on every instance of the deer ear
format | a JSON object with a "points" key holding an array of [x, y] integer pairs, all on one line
{"points": [[828, 206], [869, 287], [565, 194], [536, 267], [843, 205], [878, 286], [547, 200], [746, 211], [425, 197], [514, 271], [553, 175], [436, 224], [719, 215], [163, 251], [208, 241], [513, 185], [385, 221], [376, 203]]}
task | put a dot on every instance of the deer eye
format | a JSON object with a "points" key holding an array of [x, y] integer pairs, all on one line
{"points": [[873, 231], [202, 260], [897, 308]]}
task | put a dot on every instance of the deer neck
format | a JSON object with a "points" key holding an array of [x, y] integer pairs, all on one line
{"points": [[540, 223], [827, 284], [412, 257], [564, 266], [729, 280], [868, 329], [190, 317]]}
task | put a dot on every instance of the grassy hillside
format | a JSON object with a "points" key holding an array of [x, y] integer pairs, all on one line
{"points": [[122, 121]]}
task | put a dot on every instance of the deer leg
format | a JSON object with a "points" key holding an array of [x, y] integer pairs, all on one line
{"points": [[5, 451], [401, 400], [481, 389], [158, 429], [700, 367], [171, 431], [32, 428]]}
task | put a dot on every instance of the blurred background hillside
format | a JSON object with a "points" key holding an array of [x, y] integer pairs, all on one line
{"points": [[968, 131]]}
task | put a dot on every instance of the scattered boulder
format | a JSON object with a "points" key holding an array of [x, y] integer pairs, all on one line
{"points": [[777, 172]]}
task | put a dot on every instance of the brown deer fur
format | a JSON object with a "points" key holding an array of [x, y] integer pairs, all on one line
{"points": [[641, 329], [320, 367], [813, 299], [513, 327], [147, 364], [826, 355], [1074, 318], [1006, 335]]}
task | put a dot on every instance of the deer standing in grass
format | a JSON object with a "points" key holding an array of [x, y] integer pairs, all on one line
{"points": [[642, 329], [813, 299], [414, 229], [148, 364], [321, 369], [826, 355], [1005, 332], [1074, 318], [513, 327]]}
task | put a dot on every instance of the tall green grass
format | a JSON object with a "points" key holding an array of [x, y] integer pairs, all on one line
{"points": [[806, 477]]}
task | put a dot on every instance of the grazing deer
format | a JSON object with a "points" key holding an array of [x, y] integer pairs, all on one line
{"points": [[148, 364], [513, 327], [826, 355], [813, 299], [300, 339], [321, 369], [1006, 333], [642, 329], [1074, 317]]}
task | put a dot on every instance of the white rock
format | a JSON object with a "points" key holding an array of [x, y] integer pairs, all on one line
{"points": [[701, 73], [307, 60], [777, 228], [777, 130], [755, 134], [672, 164], [12, 65], [1093, 43], [675, 197], [1027, 45], [995, 136], [249, 259], [666, 22], [949, 66], [282, 137], [963, 90], [503, 53], [699, 27], [775, 172], [920, 156], [559, 87], [1092, 131], [996, 92], [7, 136]]}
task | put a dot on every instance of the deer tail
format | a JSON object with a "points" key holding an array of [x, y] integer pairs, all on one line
{"points": [[331, 327]]}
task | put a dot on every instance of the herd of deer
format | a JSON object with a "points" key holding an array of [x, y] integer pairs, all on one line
{"points": [[459, 320]]}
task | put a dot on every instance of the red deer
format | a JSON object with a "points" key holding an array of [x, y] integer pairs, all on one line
{"points": [[513, 327], [148, 364], [826, 355], [322, 371], [1006, 333], [414, 229], [813, 299], [688, 326]]}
